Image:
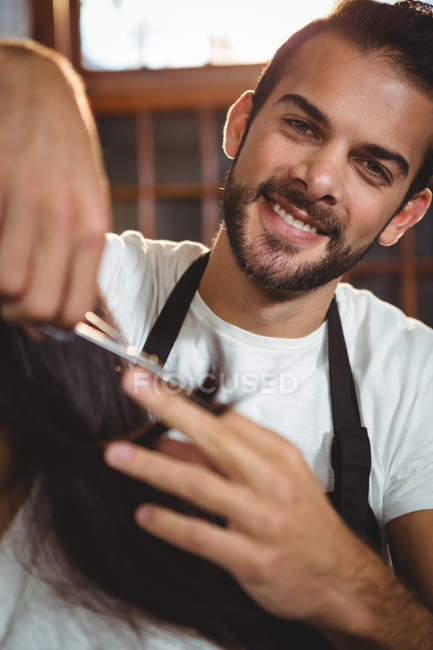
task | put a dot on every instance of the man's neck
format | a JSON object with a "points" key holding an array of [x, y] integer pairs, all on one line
{"points": [[237, 299]]}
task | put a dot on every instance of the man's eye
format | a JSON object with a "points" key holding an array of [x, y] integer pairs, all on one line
{"points": [[375, 169], [299, 126]]}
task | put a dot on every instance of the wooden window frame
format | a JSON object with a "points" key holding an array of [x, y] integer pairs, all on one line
{"points": [[56, 23]]}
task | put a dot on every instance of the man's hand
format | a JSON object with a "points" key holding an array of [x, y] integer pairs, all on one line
{"points": [[284, 543], [54, 207]]}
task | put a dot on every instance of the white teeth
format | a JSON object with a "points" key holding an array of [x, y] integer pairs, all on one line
{"points": [[297, 223]]}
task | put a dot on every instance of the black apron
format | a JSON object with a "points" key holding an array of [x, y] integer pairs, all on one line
{"points": [[350, 451]]}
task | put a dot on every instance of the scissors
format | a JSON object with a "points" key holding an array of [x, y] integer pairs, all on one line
{"points": [[105, 336], [102, 334]]}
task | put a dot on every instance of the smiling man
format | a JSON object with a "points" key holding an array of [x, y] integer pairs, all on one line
{"points": [[332, 388], [332, 152], [322, 174]]}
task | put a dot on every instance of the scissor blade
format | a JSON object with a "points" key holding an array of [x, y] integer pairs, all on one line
{"points": [[128, 352], [105, 327]]}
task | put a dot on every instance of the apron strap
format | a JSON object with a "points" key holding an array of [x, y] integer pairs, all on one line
{"points": [[169, 322], [350, 453]]}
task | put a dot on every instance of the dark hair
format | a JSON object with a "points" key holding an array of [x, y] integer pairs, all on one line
{"points": [[402, 32], [59, 401]]}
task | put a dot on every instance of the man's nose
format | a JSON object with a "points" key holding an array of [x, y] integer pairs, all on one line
{"points": [[321, 172]]}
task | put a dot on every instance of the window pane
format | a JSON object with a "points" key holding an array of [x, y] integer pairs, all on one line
{"points": [[424, 236], [118, 139], [121, 34], [425, 299], [15, 19], [177, 152], [178, 219], [385, 287]]}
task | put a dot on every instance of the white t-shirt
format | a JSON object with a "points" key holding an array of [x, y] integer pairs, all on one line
{"points": [[283, 383]]}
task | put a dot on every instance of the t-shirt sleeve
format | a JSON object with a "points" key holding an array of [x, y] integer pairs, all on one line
{"points": [[136, 276], [110, 268], [126, 281], [410, 474]]}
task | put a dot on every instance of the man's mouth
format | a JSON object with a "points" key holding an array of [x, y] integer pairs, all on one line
{"points": [[297, 218], [288, 218]]}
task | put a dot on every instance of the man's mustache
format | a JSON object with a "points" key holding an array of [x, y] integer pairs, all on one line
{"points": [[325, 216]]}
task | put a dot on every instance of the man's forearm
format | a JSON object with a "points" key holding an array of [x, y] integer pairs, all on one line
{"points": [[382, 614]]}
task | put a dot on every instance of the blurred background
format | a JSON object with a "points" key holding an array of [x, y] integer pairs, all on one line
{"points": [[160, 76]]}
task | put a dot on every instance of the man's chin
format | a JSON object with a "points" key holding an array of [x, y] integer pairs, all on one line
{"points": [[280, 269]]}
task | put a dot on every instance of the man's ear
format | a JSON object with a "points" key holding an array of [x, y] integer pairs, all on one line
{"points": [[413, 211], [236, 122]]}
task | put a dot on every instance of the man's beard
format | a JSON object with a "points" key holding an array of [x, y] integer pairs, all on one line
{"points": [[267, 259]]}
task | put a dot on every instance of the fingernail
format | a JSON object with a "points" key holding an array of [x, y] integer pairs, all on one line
{"points": [[141, 514], [119, 453]]}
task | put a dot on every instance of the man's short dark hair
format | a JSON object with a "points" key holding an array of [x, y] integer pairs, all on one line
{"points": [[402, 32]]}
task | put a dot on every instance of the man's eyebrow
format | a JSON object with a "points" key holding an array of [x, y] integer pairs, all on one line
{"points": [[385, 154], [306, 106]]}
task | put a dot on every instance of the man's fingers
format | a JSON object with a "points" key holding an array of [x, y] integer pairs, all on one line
{"points": [[184, 451], [228, 549], [192, 482], [242, 457], [17, 236], [44, 295], [82, 279], [49, 260], [230, 455]]}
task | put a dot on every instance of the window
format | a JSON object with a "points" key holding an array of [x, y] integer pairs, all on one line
{"points": [[130, 34]]}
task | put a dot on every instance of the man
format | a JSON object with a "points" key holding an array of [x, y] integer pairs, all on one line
{"points": [[332, 152]]}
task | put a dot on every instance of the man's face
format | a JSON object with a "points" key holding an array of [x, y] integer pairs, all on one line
{"points": [[325, 165]]}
